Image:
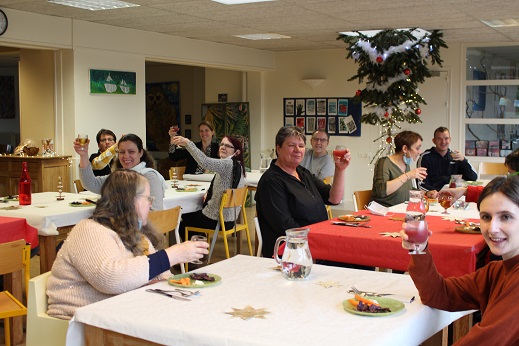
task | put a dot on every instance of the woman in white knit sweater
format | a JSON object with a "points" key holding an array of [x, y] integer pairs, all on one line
{"points": [[115, 250]]}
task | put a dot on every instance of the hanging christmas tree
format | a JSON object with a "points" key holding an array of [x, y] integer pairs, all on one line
{"points": [[393, 62]]}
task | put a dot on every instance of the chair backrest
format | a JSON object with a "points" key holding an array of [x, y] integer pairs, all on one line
{"points": [[165, 221], [259, 238], [180, 172], [234, 198], [492, 168], [78, 186], [42, 329], [361, 198], [15, 256]]}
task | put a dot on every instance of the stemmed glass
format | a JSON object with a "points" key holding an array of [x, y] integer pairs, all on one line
{"points": [[339, 152], [418, 233], [199, 238], [175, 129], [445, 202], [174, 177], [82, 139]]}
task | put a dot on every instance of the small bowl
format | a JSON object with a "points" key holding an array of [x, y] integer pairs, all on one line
{"points": [[31, 151]]}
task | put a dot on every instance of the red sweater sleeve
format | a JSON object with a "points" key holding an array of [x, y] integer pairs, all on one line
{"points": [[473, 193]]}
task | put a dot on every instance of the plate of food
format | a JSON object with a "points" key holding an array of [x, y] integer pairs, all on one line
{"points": [[354, 218], [194, 280], [468, 229], [372, 306], [81, 204], [13, 198], [187, 189]]}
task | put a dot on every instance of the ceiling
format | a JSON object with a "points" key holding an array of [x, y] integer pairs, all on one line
{"points": [[312, 24]]}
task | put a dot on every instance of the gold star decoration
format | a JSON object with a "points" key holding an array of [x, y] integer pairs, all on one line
{"points": [[451, 218], [249, 312], [328, 284]]}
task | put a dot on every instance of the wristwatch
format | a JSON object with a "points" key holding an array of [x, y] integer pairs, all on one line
{"points": [[3, 22]]}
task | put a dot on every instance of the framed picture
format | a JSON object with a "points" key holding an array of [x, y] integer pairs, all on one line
{"points": [[332, 106], [162, 111], [112, 82], [187, 119], [342, 107], [289, 121], [300, 122], [321, 106], [188, 133], [289, 107], [332, 127], [310, 125], [310, 107], [222, 97], [300, 106], [321, 123]]}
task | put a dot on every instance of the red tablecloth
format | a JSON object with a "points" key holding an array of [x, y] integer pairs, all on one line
{"points": [[454, 253], [12, 228]]}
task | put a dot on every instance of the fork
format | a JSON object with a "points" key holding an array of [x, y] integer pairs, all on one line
{"points": [[183, 293], [366, 293]]}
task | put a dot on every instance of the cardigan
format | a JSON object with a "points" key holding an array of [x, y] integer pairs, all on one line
{"points": [[192, 164], [93, 264]]}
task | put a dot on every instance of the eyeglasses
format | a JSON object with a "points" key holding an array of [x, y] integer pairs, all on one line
{"points": [[320, 139], [226, 145], [149, 198]]}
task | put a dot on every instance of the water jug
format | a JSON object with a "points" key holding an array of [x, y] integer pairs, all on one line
{"points": [[416, 206], [296, 262]]}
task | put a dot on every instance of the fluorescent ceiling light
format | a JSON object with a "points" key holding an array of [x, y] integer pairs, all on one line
{"points": [[94, 5], [499, 23], [239, 2], [418, 33], [255, 37]]}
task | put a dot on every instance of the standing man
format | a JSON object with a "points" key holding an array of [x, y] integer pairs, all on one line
{"points": [[317, 160], [106, 142], [441, 162]]}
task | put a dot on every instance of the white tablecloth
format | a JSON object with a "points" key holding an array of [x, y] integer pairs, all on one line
{"points": [[437, 210], [301, 312], [251, 178]]}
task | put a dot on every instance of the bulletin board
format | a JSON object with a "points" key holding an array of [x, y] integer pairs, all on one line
{"points": [[339, 116]]}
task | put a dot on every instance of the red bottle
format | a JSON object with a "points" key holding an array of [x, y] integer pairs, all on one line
{"points": [[24, 186]]}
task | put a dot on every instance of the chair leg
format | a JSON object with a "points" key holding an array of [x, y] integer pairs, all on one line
{"points": [[225, 243], [249, 241], [7, 332]]}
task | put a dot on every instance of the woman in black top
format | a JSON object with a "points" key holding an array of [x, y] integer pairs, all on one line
{"points": [[206, 145]]}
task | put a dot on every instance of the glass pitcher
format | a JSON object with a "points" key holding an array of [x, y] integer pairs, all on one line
{"points": [[456, 181], [296, 262]]}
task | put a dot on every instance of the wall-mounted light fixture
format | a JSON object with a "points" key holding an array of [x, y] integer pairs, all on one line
{"points": [[313, 83]]}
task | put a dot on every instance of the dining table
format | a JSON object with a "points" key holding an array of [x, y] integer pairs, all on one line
{"points": [[456, 252], [252, 303], [51, 216], [12, 229], [251, 178]]}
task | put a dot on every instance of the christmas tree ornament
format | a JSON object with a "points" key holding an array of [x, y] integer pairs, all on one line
{"points": [[358, 93], [380, 59], [407, 72], [389, 139], [418, 111], [386, 114]]}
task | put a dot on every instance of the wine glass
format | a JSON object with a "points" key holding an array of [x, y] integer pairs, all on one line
{"points": [[199, 238], [175, 129], [445, 202], [174, 177], [418, 233], [339, 152], [82, 139]]}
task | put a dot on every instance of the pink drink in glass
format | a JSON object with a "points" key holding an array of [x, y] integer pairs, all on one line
{"points": [[417, 231]]}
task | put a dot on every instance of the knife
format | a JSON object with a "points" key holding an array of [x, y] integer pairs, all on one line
{"points": [[351, 224], [169, 295]]}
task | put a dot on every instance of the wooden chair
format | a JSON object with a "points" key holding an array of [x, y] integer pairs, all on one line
{"points": [[78, 186], [230, 199], [14, 256], [180, 172], [42, 329], [361, 198], [328, 180], [165, 221], [491, 168]]}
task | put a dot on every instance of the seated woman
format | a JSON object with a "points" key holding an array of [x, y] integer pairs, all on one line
{"points": [[289, 195], [206, 145], [493, 289], [131, 155], [115, 250], [230, 173], [392, 178]]}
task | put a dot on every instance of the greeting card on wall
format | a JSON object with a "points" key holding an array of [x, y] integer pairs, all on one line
{"points": [[289, 107], [339, 116]]}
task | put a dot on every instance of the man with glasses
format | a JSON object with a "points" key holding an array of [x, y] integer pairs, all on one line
{"points": [[441, 162], [106, 141], [317, 160]]}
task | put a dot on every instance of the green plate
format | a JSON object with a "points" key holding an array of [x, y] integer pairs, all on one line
{"points": [[11, 198], [217, 279], [189, 189], [82, 205], [394, 305]]}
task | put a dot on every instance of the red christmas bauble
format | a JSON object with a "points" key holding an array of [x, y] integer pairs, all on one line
{"points": [[389, 139], [418, 111], [386, 114], [379, 59], [407, 72], [358, 93]]}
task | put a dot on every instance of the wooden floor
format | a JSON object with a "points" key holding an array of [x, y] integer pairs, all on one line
{"points": [[219, 254]]}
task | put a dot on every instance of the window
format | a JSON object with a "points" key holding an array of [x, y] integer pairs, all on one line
{"points": [[491, 118]]}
